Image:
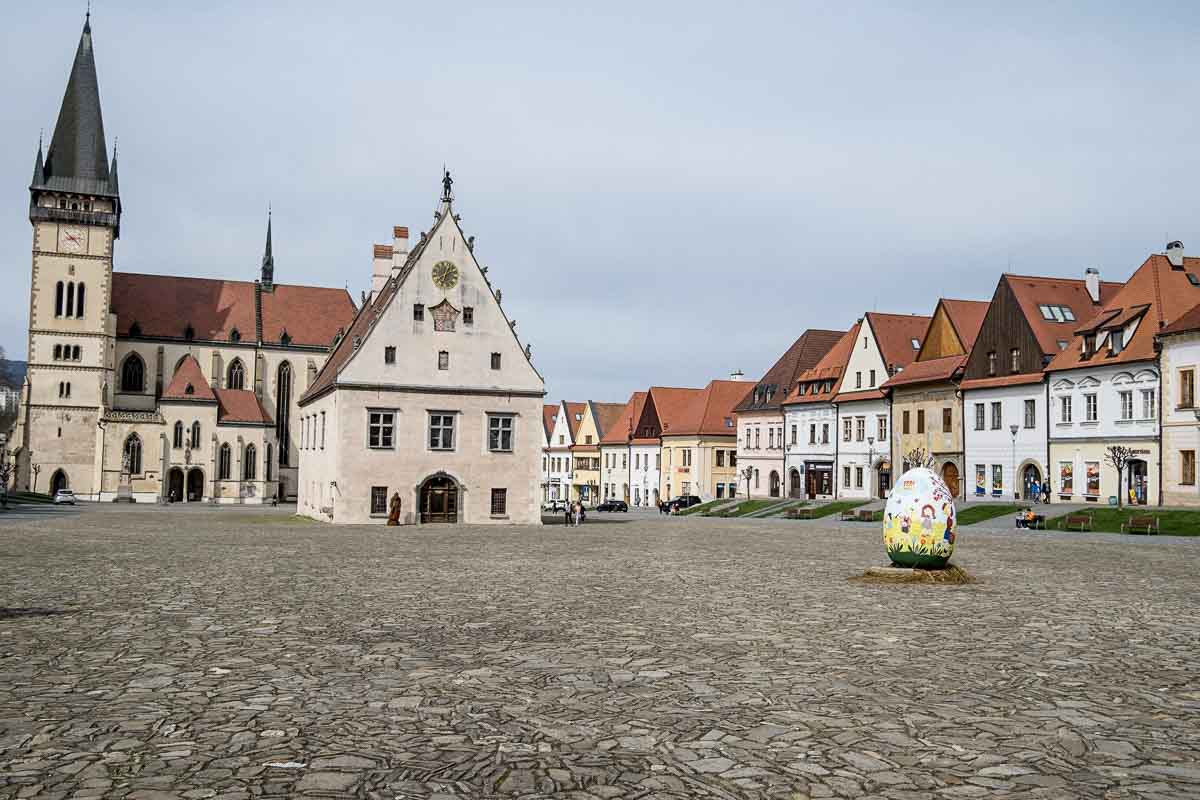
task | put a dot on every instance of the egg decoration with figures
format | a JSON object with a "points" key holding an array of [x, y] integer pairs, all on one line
{"points": [[919, 522]]}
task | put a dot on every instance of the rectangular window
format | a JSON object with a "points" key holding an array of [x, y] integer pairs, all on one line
{"points": [[920, 420], [1064, 406], [770, 438], [1116, 341], [441, 431], [1066, 477], [997, 420], [747, 438], [883, 425], [381, 428], [997, 479], [1090, 408], [860, 429], [947, 421], [389, 355], [1187, 467], [624, 460], [793, 434], [812, 434], [1187, 388], [979, 416], [1149, 404], [825, 433], [658, 460], [495, 361], [499, 502], [858, 380], [1014, 360], [904, 422], [846, 476], [418, 312], [757, 438], [1030, 413], [1126, 405], [443, 359], [872, 382], [858, 477], [322, 430], [1092, 468], [991, 363], [468, 315], [720, 458], [847, 427], [980, 479], [379, 500], [500, 433]]}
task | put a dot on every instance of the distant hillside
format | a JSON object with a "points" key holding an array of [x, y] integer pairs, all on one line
{"points": [[12, 373]]}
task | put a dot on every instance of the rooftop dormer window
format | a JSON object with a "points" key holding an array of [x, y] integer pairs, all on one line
{"points": [[189, 332], [284, 338], [235, 335], [135, 329], [916, 344], [1116, 341], [1056, 313]]}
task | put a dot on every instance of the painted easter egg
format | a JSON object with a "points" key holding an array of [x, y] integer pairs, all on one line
{"points": [[918, 521]]}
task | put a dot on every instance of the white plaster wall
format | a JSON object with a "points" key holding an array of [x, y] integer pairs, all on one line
{"points": [[855, 454], [644, 472], [995, 447]]}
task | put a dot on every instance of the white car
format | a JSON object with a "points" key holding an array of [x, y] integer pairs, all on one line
{"points": [[64, 497]]}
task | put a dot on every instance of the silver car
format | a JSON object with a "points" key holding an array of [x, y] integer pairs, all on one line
{"points": [[64, 497]]}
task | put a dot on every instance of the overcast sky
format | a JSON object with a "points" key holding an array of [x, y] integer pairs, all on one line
{"points": [[664, 192]]}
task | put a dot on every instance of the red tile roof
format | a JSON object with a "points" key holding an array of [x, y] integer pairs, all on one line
{"points": [[865, 394], [828, 369], [967, 318], [1004, 380], [575, 412], [804, 354], [1169, 293], [607, 415], [164, 305], [549, 412], [894, 334], [933, 370], [672, 406], [1189, 322], [240, 405], [188, 375], [1032, 292], [621, 431]]}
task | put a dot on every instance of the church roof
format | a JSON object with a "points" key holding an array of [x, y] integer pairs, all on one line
{"points": [[240, 405], [189, 376], [77, 159], [164, 306]]}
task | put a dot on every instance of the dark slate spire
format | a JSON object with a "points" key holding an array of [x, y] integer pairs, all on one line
{"points": [[112, 171], [39, 167], [77, 151], [268, 262]]}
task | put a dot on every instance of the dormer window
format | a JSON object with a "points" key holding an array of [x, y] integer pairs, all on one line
{"points": [[1089, 344], [916, 345], [235, 335], [285, 339], [135, 329], [189, 389], [991, 357], [1116, 341], [189, 332]]}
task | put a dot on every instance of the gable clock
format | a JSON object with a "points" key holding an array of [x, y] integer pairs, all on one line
{"points": [[445, 275]]}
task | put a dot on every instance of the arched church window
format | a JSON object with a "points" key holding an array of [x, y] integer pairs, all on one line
{"points": [[267, 464], [133, 453], [249, 466], [223, 463], [71, 299], [236, 376], [58, 299], [133, 374], [283, 412], [177, 441], [75, 353], [79, 301], [195, 435], [57, 352]]}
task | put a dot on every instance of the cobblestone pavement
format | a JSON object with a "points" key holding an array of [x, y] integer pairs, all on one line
{"points": [[219, 653]]}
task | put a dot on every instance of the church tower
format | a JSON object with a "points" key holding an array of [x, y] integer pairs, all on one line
{"points": [[75, 210]]}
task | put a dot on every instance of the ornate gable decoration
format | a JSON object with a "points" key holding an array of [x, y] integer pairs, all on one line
{"points": [[444, 316]]}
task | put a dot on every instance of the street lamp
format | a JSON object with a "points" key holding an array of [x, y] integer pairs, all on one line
{"points": [[870, 466], [1013, 430]]}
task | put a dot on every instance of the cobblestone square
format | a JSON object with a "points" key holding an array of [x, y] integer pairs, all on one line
{"points": [[155, 653]]}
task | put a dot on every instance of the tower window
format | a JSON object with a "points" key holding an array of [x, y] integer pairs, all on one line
{"points": [[71, 299], [177, 438], [468, 315], [195, 435], [79, 301], [57, 352], [133, 454], [75, 352], [237, 375], [495, 361], [58, 299], [224, 463], [389, 355]]}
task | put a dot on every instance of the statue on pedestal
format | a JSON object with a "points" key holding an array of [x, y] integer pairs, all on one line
{"points": [[394, 510]]}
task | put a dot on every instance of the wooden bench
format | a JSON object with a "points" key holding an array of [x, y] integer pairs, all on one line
{"points": [[1077, 522], [805, 513], [792, 513], [1146, 524], [849, 515]]}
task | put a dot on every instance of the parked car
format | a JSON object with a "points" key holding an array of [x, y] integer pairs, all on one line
{"points": [[684, 501], [64, 497], [613, 505]]}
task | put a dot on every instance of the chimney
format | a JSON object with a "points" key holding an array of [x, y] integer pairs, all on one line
{"points": [[1091, 279], [399, 247], [737, 375], [381, 269], [1175, 254]]}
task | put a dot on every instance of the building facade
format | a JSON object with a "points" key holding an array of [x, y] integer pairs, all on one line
{"points": [[429, 397], [699, 439], [560, 470], [99, 414], [1179, 360]]}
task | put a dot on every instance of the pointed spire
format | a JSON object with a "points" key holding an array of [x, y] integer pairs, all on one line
{"points": [[112, 170], [268, 260], [77, 148], [39, 167]]}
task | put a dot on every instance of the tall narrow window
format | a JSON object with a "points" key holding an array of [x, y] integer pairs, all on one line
{"points": [[499, 502], [58, 299], [443, 359], [322, 430], [378, 500], [389, 355], [947, 420], [1149, 404], [195, 435], [224, 462], [991, 357], [71, 299], [1014, 356], [468, 315], [418, 312], [1187, 388], [1064, 405], [904, 422], [1187, 463], [57, 352], [133, 454], [249, 463], [236, 377], [495, 361], [267, 464], [1030, 413], [920, 420], [177, 439], [79, 300], [1090, 409], [997, 420], [283, 412], [979, 416], [133, 374]]}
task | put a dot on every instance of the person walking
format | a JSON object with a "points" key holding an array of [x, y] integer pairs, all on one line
{"points": [[577, 510], [1035, 491]]}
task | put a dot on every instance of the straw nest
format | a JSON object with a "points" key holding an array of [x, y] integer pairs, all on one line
{"points": [[950, 575]]}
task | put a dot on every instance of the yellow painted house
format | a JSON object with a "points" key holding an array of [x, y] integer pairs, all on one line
{"points": [[927, 412], [594, 419], [699, 439]]}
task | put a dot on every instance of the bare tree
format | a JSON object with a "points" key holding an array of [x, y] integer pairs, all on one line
{"points": [[748, 473], [1118, 456], [916, 458]]}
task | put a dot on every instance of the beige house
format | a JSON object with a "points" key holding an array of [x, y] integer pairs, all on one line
{"points": [[1179, 361], [699, 439], [428, 397], [149, 386]]}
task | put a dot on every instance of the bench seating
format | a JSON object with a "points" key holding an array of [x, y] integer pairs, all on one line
{"points": [[1078, 522], [1146, 524]]}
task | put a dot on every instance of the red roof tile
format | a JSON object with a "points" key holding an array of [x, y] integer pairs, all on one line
{"points": [[935, 369], [607, 415], [164, 306], [188, 375], [621, 431], [804, 354], [894, 333], [672, 406], [549, 412], [1033, 292], [575, 412], [1189, 322], [865, 394], [828, 369], [240, 405], [1004, 380], [967, 318]]}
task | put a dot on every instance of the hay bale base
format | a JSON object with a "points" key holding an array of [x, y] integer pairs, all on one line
{"points": [[951, 575]]}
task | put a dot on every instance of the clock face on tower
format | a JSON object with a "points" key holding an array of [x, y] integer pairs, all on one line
{"points": [[445, 275], [70, 239]]}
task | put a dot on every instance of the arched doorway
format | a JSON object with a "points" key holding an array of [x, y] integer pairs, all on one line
{"points": [[58, 481], [883, 478], [795, 488], [950, 477], [439, 500], [774, 483], [195, 485], [175, 485], [1137, 483], [1029, 475]]}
